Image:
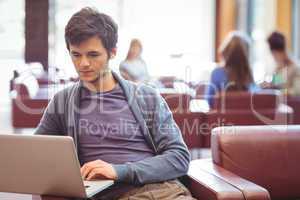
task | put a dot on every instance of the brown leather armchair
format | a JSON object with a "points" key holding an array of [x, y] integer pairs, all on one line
{"points": [[250, 162]]}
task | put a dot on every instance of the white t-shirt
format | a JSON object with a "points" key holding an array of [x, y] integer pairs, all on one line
{"points": [[136, 69]]}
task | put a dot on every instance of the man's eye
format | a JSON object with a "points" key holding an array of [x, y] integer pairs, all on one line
{"points": [[93, 55], [75, 55]]}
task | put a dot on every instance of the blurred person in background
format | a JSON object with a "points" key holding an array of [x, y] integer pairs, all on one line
{"points": [[234, 73], [286, 70], [134, 68]]}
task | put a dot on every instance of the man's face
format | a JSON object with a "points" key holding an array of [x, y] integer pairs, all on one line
{"points": [[278, 56], [90, 59]]}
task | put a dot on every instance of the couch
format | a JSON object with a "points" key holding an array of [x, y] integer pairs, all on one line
{"points": [[242, 108], [249, 162], [29, 99], [294, 103]]}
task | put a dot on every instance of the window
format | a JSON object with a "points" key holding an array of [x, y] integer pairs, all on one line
{"points": [[263, 21], [12, 37], [177, 35], [296, 28]]}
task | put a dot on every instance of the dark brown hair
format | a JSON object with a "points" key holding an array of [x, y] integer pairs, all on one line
{"points": [[276, 41], [235, 51], [87, 23]]}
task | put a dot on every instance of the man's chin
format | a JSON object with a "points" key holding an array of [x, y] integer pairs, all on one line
{"points": [[89, 79], [92, 79]]}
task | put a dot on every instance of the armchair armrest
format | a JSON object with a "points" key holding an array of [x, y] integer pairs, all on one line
{"points": [[249, 190], [204, 185]]}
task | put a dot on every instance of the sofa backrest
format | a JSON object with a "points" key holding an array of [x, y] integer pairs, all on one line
{"points": [[294, 102], [265, 155], [26, 85], [177, 102], [262, 100], [191, 126]]}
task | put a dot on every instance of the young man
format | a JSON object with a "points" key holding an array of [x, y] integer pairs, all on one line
{"points": [[286, 72], [122, 131]]}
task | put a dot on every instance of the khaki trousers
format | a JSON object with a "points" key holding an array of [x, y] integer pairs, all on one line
{"points": [[168, 190]]}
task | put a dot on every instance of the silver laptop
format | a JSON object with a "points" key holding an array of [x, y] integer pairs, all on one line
{"points": [[44, 165]]}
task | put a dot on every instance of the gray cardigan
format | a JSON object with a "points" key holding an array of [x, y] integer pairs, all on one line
{"points": [[154, 117]]}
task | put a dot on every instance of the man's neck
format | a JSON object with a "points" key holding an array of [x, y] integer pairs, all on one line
{"points": [[103, 84]]}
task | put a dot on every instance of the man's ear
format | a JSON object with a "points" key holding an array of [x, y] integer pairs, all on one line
{"points": [[113, 53]]}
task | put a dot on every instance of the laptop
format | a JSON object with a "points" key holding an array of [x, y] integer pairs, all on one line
{"points": [[44, 165]]}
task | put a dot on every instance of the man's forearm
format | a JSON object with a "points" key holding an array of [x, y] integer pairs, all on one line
{"points": [[159, 168]]}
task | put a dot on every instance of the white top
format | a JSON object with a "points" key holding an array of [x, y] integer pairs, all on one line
{"points": [[136, 70]]}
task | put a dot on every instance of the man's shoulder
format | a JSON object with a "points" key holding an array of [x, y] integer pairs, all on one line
{"points": [[145, 95], [138, 88], [67, 90], [146, 89]]}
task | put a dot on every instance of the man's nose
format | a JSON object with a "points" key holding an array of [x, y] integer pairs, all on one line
{"points": [[84, 62]]}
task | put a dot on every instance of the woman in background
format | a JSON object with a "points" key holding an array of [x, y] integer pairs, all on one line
{"points": [[134, 68], [235, 72]]}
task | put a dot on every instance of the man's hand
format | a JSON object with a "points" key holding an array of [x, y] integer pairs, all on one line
{"points": [[98, 169]]}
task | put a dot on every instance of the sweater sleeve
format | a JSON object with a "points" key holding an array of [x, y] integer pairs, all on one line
{"points": [[50, 123], [173, 158]]}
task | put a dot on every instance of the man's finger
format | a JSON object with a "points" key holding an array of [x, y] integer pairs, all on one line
{"points": [[88, 167], [86, 170], [91, 175], [83, 168], [95, 173]]}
